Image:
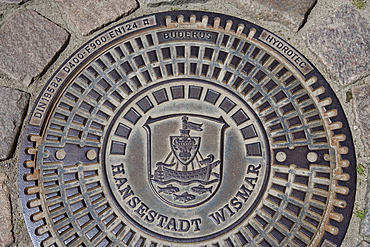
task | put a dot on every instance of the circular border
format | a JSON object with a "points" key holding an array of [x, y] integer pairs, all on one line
{"points": [[344, 147]]}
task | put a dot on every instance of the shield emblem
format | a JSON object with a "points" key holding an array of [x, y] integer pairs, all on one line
{"points": [[185, 170], [185, 148]]}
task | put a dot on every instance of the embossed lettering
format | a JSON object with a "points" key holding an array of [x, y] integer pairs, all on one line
{"points": [[146, 22], [66, 69], [118, 169], [37, 115], [47, 95], [236, 204], [184, 225], [196, 223], [287, 51], [150, 217], [253, 169], [133, 202], [126, 192], [244, 193], [54, 84], [171, 225], [111, 34], [41, 105], [251, 181], [142, 210], [229, 209], [120, 181], [218, 217], [162, 219], [187, 35]]}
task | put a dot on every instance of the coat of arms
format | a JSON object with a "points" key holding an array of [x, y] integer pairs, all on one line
{"points": [[180, 172]]}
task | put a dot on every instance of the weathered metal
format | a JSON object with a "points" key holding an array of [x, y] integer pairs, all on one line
{"points": [[187, 129]]}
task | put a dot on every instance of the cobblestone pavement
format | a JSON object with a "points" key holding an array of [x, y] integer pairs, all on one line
{"points": [[36, 36]]}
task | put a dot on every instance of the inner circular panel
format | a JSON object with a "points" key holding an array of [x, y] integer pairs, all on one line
{"points": [[220, 136], [187, 129]]}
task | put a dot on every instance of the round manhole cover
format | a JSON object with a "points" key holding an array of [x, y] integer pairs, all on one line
{"points": [[187, 129]]}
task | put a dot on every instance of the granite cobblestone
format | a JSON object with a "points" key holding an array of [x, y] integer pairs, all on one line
{"points": [[91, 15], [13, 1], [13, 105], [6, 236], [342, 42], [289, 12], [365, 224], [28, 44], [361, 97]]}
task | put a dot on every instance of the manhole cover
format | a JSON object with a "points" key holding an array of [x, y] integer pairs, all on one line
{"points": [[187, 129]]}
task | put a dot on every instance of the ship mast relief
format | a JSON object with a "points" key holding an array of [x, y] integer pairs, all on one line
{"points": [[186, 174]]}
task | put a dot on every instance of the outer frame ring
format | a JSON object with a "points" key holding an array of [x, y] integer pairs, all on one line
{"points": [[28, 172]]}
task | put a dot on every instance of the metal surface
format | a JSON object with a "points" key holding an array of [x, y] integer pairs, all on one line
{"points": [[187, 129]]}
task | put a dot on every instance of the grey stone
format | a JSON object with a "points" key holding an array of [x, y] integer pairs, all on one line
{"points": [[90, 15], [363, 244], [12, 1], [6, 236], [365, 223], [28, 44], [342, 42], [13, 105], [361, 101], [289, 12], [155, 3]]}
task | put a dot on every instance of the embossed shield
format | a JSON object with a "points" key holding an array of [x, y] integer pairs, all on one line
{"points": [[185, 148], [185, 157]]}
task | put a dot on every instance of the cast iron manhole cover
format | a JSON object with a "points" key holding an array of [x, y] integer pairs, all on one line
{"points": [[187, 129]]}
